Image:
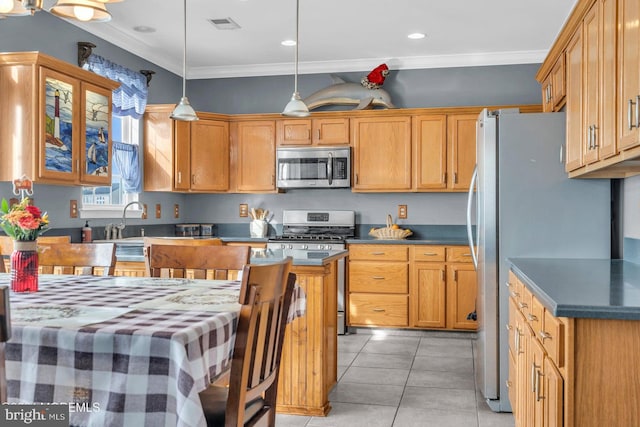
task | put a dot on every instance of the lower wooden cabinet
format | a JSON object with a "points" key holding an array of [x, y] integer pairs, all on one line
{"points": [[410, 286]]}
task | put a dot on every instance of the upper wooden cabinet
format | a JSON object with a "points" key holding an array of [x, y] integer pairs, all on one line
{"points": [[629, 80], [461, 150], [321, 131], [254, 148], [553, 87], [185, 156], [56, 121], [602, 55], [381, 153], [429, 133]]}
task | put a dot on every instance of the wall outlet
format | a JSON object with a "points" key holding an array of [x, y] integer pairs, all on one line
{"points": [[144, 211], [176, 211], [244, 210], [158, 211], [73, 209], [402, 211]]}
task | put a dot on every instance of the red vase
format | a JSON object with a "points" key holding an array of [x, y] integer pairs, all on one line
{"points": [[24, 266]]}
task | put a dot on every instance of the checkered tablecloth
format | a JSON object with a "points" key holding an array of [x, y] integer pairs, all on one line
{"points": [[122, 351]]}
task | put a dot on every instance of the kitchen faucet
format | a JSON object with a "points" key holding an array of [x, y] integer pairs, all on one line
{"points": [[120, 227]]}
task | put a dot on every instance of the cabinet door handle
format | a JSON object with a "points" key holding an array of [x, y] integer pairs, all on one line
{"points": [[514, 294], [522, 305], [377, 277], [544, 335], [516, 340], [550, 92], [455, 177], [508, 285], [429, 254], [508, 383], [318, 133], [193, 178], [179, 177], [379, 310], [534, 368], [595, 136], [637, 110], [509, 327], [466, 254], [539, 374], [308, 133], [629, 115], [532, 317], [377, 253]]}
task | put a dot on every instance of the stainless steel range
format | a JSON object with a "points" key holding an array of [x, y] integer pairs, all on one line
{"points": [[317, 232]]}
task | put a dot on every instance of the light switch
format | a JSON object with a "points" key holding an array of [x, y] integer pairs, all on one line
{"points": [[73, 209], [158, 211], [176, 211], [244, 210], [144, 211]]}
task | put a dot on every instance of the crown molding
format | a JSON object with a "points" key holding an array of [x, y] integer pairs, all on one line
{"points": [[157, 57]]}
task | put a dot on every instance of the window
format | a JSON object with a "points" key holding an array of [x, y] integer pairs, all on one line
{"points": [[108, 202]]}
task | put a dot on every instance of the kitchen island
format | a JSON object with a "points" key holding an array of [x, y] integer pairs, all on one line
{"points": [[574, 327], [308, 368]]}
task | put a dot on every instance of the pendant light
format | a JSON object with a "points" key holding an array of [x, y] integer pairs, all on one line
{"points": [[296, 107], [81, 10], [184, 111]]}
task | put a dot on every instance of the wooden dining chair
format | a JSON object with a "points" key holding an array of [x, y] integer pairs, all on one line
{"points": [[196, 262], [6, 247], [77, 258], [250, 399], [5, 335]]}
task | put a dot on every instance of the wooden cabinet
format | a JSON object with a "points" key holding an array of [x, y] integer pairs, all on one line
{"points": [[320, 131], [629, 73], [414, 286], [429, 133], [381, 153], [461, 150], [253, 152], [573, 106], [56, 121], [185, 156], [553, 87], [378, 285], [537, 351], [428, 287]]}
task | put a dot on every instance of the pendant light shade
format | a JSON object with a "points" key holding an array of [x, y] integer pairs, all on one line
{"points": [[184, 111], [81, 10], [296, 107], [15, 8]]}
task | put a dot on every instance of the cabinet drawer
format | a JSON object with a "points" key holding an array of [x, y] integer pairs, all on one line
{"points": [[391, 277], [379, 252], [552, 337], [378, 310], [459, 254], [428, 253], [524, 304], [536, 314], [514, 287]]}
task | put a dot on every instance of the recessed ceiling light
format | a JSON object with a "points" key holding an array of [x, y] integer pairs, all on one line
{"points": [[416, 36], [288, 42], [144, 29]]}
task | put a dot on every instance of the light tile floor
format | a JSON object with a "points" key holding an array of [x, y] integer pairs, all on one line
{"points": [[404, 379]]}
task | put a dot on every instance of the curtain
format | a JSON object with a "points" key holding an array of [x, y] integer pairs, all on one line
{"points": [[125, 157], [130, 99]]}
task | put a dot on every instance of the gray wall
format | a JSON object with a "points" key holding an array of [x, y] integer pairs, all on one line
{"points": [[500, 85]]}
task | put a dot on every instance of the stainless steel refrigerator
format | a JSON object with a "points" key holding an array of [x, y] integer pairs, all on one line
{"points": [[525, 206]]}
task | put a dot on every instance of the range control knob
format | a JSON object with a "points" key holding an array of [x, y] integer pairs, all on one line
{"points": [[305, 246], [290, 246]]}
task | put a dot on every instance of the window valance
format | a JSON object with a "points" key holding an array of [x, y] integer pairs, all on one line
{"points": [[130, 99]]}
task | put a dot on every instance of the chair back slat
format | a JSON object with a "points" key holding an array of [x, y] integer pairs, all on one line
{"points": [[196, 262], [6, 247], [77, 258]]}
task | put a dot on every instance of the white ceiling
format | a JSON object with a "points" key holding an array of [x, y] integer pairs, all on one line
{"points": [[335, 35]]}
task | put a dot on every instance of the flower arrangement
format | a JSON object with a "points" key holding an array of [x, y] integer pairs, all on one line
{"points": [[23, 221]]}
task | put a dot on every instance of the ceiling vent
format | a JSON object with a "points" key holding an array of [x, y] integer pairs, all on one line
{"points": [[224, 24]]}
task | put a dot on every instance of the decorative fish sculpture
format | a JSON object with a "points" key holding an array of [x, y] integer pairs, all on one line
{"points": [[364, 95]]}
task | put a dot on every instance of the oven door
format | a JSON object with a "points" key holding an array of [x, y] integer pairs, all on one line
{"points": [[311, 167]]}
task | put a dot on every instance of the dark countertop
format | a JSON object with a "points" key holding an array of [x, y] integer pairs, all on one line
{"points": [[583, 288], [453, 241]]}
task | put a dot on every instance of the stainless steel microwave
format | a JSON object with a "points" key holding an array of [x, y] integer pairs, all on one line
{"points": [[314, 167]]}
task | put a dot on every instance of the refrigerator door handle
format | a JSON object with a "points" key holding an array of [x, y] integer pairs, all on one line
{"points": [[474, 255]]}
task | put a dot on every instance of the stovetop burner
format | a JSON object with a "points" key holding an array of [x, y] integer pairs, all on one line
{"points": [[331, 237]]}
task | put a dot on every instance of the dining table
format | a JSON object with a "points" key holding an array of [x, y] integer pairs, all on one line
{"points": [[123, 351]]}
